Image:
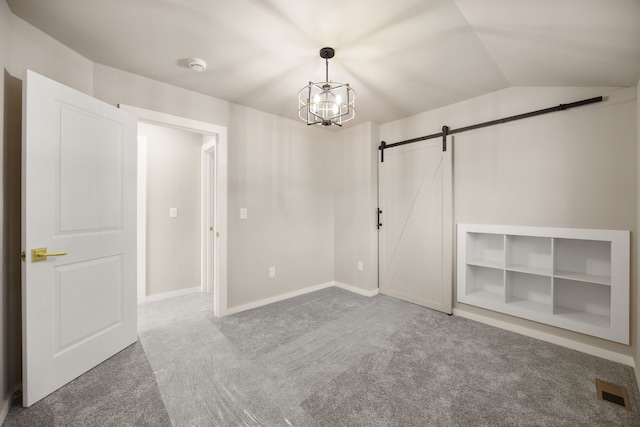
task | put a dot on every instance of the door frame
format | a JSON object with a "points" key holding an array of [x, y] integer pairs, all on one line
{"points": [[214, 139], [208, 204]]}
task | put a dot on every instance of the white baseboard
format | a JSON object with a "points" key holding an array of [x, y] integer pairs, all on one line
{"points": [[564, 342], [355, 289], [271, 300], [6, 405], [166, 295]]}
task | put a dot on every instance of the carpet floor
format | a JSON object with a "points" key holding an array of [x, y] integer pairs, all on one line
{"points": [[121, 391], [334, 358]]}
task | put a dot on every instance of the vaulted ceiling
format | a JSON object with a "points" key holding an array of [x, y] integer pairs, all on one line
{"points": [[402, 57]]}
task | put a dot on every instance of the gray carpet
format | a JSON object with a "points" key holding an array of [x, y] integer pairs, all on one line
{"points": [[332, 358], [122, 391]]}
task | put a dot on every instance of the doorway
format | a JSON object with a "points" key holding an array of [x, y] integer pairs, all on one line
{"points": [[213, 201]]}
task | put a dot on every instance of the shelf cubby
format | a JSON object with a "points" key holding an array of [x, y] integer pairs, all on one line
{"points": [[576, 279], [576, 260], [486, 283], [583, 302], [527, 254], [485, 250], [529, 291]]}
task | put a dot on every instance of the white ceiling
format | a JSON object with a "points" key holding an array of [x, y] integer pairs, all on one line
{"points": [[402, 57]]}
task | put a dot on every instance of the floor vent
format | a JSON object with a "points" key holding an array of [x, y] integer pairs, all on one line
{"points": [[613, 394]]}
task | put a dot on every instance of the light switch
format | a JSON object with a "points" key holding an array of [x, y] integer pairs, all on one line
{"points": [[173, 212], [243, 213]]}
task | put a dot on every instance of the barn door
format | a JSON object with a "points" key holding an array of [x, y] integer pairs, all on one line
{"points": [[415, 238]]}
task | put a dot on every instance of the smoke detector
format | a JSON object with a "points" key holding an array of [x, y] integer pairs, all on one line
{"points": [[197, 64]]}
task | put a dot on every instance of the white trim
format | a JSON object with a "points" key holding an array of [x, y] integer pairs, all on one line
{"points": [[208, 241], [277, 298], [220, 281], [162, 119], [356, 290], [554, 339], [282, 297], [172, 294], [5, 409]]}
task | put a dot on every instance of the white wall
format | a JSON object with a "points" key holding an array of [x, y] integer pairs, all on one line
{"points": [[355, 156], [279, 169], [282, 172], [569, 169], [575, 168], [11, 213], [636, 246], [173, 180], [32, 49], [5, 385], [120, 87]]}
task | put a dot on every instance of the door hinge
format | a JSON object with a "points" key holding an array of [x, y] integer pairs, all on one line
{"points": [[379, 223], [23, 256]]}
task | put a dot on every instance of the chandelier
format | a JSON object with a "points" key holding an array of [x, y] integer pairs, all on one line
{"points": [[326, 103]]}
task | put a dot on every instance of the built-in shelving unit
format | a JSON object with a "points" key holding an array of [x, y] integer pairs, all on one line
{"points": [[577, 279]]}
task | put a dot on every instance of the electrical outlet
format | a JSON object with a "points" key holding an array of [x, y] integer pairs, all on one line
{"points": [[243, 213], [360, 266], [272, 272]]}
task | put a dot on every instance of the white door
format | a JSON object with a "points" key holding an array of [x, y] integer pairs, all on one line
{"points": [[78, 197], [416, 236]]}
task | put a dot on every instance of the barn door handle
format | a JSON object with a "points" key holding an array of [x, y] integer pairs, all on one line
{"points": [[379, 223], [41, 254]]}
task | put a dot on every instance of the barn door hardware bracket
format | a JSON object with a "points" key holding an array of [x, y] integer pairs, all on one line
{"points": [[445, 132], [379, 223], [383, 145]]}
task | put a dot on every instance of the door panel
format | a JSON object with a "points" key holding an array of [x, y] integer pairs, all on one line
{"points": [[90, 191], [79, 197], [415, 192], [88, 300]]}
